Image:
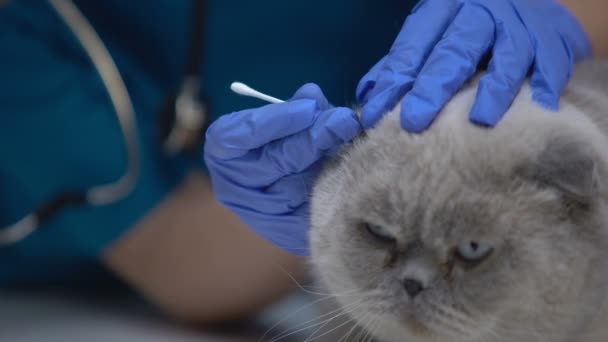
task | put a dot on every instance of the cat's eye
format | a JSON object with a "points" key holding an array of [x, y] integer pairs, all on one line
{"points": [[379, 232], [473, 251]]}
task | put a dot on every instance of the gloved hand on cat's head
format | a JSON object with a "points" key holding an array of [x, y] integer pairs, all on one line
{"points": [[442, 43], [263, 162]]}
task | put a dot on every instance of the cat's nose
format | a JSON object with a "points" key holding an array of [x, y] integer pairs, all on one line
{"points": [[413, 287]]}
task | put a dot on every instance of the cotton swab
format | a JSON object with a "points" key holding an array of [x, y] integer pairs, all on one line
{"points": [[245, 90]]}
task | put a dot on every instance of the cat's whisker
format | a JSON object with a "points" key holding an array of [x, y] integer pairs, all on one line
{"points": [[300, 286], [365, 328], [325, 322], [364, 333], [353, 293], [317, 287], [495, 335], [351, 330], [291, 314], [330, 313], [451, 328], [452, 319], [347, 335], [351, 319], [454, 313], [360, 325], [374, 327], [372, 330], [368, 325], [453, 323]]}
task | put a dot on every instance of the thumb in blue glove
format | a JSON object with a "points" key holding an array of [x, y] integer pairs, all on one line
{"points": [[442, 43], [263, 162]]}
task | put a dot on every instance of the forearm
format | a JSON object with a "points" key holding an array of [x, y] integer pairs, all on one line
{"points": [[196, 260], [592, 15]]}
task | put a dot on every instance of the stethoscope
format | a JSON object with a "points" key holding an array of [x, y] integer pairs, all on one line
{"points": [[183, 120]]}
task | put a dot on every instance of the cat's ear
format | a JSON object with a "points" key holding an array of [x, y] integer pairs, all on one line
{"points": [[568, 165]]}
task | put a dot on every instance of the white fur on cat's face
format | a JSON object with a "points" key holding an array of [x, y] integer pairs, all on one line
{"points": [[523, 199]]}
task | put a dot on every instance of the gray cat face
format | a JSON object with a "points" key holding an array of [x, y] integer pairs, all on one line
{"points": [[462, 234]]}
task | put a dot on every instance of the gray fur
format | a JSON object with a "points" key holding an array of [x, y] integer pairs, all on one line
{"points": [[533, 188]]}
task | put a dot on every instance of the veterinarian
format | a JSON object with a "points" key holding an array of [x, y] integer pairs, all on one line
{"points": [[63, 139]]}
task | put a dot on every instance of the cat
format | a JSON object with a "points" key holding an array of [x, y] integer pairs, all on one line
{"points": [[465, 233]]}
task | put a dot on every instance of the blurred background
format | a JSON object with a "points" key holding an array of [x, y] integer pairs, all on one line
{"points": [[109, 230]]}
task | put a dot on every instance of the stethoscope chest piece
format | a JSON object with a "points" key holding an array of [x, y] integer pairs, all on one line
{"points": [[183, 120]]}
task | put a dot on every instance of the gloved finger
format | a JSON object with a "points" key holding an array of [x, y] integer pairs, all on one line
{"points": [[563, 21], [233, 135], [292, 154], [556, 53], [280, 197], [383, 102], [368, 82], [298, 186], [312, 91], [420, 33], [552, 69], [513, 55], [453, 61]]}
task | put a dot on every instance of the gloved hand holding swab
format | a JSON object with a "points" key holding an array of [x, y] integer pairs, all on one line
{"points": [[301, 133], [245, 90]]}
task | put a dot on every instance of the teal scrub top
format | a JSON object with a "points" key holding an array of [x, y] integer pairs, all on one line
{"points": [[59, 131]]}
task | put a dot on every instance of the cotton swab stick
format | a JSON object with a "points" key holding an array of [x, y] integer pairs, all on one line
{"points": [[245, 90]]}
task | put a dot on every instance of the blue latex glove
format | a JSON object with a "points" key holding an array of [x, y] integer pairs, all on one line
{"points": [[441, 45], [263, 162]]}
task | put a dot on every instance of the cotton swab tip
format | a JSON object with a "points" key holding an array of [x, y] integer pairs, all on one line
{"points": [[241, 88], [245, 90]]}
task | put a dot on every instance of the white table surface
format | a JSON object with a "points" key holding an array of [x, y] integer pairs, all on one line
{"points": [[28, 316]]}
